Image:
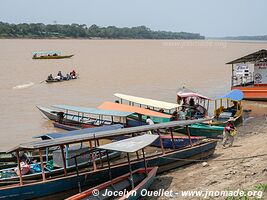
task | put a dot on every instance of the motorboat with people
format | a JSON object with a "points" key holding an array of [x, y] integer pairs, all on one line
{"points": [[59, 77], [49, 55]]}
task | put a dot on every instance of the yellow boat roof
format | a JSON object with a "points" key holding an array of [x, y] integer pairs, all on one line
{"points": [[148, 102]]}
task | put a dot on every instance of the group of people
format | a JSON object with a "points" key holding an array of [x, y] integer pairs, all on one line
{"points": [[71, 75]]}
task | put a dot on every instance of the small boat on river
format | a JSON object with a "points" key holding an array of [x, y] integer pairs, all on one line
{"points": [[49, 55]]}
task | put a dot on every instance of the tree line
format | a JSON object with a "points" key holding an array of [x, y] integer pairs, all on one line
{"points": [[40, 30]]}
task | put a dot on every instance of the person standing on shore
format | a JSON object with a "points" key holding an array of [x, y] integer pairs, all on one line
{"points": [[229, 132]]}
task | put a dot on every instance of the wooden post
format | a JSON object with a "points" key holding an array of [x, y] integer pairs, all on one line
{"points": [[144, 160], [42, 164], [99, 152], [63, 159], [131, 173], [160, 140], [109, 168], [19, 168], [208, 105], [189, 136], [232, 79], [93, 157], [173, 143], [137, 155]]}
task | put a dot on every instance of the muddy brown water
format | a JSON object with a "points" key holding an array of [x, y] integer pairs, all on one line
{"points": [[148, 68]]}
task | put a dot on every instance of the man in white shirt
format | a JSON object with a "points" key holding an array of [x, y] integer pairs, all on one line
{"points": [[149, 121]]}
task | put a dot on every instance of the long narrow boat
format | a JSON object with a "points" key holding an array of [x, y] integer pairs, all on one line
{"points": [[83, 117], [66, 185], [183, 94], [129, 185], [50, 55], [60, 80], [141, 179]]}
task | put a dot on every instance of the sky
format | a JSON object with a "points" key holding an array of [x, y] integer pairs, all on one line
{"points": [[211, 18]]}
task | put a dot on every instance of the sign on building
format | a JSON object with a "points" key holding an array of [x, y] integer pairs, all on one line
{"points": [[260, 73]]}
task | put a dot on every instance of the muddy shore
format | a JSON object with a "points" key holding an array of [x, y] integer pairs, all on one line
{"points": [[219, 174]]}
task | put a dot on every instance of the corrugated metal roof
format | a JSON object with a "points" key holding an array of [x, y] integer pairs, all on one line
{"points": [[93, 111], [103, 134], [126, 108], [259, 56], [79, 132], [148, 102], [130, 145]]}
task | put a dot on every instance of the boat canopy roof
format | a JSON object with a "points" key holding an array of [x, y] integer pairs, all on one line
{"points": [[46, 52], [235, 95], [130, 145], [93, 111], [185, 92], [133, 109], [79, 132], [259, 56], [148, 102], [102, 134]]}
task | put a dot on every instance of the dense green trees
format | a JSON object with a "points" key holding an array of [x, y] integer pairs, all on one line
{"points": [[40, 30]]}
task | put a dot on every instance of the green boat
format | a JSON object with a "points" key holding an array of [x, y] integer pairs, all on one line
{"points": [[205, 130]]}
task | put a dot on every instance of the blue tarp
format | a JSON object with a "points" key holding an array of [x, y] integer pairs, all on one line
{"points": [[235, 95], [79, 132], [93, 111]]}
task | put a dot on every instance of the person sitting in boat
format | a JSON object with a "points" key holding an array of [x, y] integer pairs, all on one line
{"points": [[68, 77], [174, 116], [73, 74], [149, 121], [55, 54], [50, 77], [59, 74]]}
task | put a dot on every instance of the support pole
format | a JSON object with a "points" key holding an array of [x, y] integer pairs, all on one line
{"points": [[46, 154], [92, 157], [189, 136], [109, 168], [131, 173], [19, 168], [67, 155], [145, 164], [137, 155], [77, 173], [63, 159], [42, 164], [99, 152], [160, 141], [173, 143]]}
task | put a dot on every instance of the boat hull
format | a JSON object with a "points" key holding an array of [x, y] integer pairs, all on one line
{"points": [[179, 141], [203, 130], [63, 187], [52, 57], [254, 93]]}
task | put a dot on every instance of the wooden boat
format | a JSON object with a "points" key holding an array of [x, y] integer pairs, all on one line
{"points": [[82, 117], [249, 75], [68, 183], [202, 129], [183, 94], [179, 141], [130, 184], [9, 176], [49, 55], [141, 179], [60, 80], [224, 112]]}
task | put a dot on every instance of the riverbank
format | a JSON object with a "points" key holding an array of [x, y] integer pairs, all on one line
{"points": [[228, 175]]}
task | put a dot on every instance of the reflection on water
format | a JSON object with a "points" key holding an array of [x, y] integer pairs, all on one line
{"points": [[148, 68]]}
